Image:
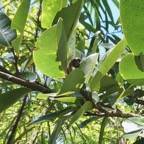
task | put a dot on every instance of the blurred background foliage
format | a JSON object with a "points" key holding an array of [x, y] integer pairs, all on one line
{"points": [[97, 30]]}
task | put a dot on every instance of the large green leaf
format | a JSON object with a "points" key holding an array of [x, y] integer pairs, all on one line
{"points": [[6, 34], [72, 82], [86, 106], [49, 52], [70, 16], [107, 64], [131, 13], [9, 98], [19, 23], [49, 10], [88, 65], [131, 70]]}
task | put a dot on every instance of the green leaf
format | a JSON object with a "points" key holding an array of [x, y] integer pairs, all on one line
{"points": [[70, 16], [86, 122], [72, 82], [130, 126], [131, 71], [30, 76], [45, 55], [62, 48], [66, 99], [19, 22], [103, 124], [56, 131], [49, 10], [86, 106], [131, 13], [108, 10], [132, 135], [52, 116], [132, 130], [22, 134], [138, 120], [107, 83], [88, 65], [9, 98], [6, 34], [107, 64]]}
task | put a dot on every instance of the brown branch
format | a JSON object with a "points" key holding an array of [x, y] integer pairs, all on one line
{"points": [[103, 111], [32, 85], [11, 137], [16, 61], [114, 113]]}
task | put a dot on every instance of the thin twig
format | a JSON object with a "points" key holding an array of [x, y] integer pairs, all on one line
{"points": [[38, 20], [11, 137], [16, 61]]}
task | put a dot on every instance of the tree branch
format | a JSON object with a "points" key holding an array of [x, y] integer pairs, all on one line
{"points": [[103, 111], [10, 139], [32, 85]]}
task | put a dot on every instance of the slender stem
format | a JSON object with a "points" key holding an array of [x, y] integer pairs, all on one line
{"points": [[38, 20], [11, 137], [16, 61]]}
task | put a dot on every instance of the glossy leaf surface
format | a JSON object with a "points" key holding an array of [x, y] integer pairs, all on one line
{"points": [[6, 34]]}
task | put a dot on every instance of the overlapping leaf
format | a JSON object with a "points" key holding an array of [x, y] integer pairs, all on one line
{"points": [[50, 55], [6, 34], [107, 64], [70, 16], [73, 82], [9, 98], [49, 10], [19, 23]]}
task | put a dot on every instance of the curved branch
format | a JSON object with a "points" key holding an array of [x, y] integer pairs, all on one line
{"points": [[32, 85]]}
